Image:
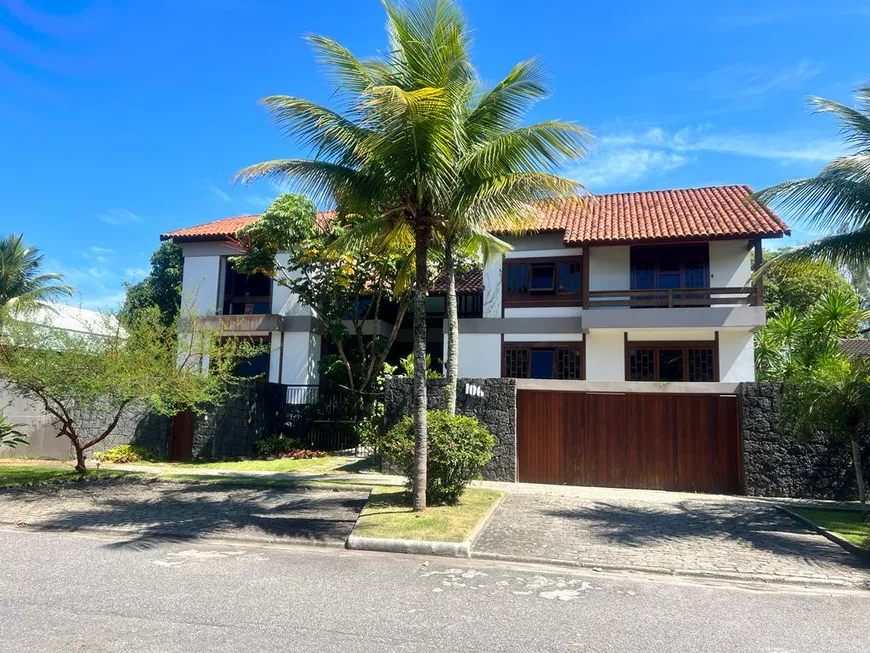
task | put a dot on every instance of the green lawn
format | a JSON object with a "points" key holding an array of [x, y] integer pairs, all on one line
{"points": [[29, 474], [327, 465], [388, 514], [848, 524]]}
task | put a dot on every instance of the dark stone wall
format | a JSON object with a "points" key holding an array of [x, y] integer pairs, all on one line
{"points": [[497, 410], [229, 430], [777, 463]]}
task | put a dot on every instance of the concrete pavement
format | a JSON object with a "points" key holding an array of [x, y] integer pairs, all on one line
{"points": [[72, 592], [653, 531]]}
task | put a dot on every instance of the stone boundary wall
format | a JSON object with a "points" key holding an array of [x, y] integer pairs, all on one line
{"points": [[138, 426], [777, 463], [497, 410]]}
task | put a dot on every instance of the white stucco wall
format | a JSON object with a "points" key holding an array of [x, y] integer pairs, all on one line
{"points": [[275, 357], [492, 289], [543, 337], [479, 355], [605, 355], [730, 263], [670, 335], [200, 283], [610, 268], [545, 311], [301, 354], [736, 356]]}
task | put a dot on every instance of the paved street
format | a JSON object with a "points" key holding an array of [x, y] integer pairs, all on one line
{"points": [[74, 592], [672, 533], [147, 508]]}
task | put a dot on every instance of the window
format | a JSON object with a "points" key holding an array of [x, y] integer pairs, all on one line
{"points": [[543, 281], [669, 361], [544, 361], [682, 266], [257, 365], [246, 294]]}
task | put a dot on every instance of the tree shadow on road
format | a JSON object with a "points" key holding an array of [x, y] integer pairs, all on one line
{"points": [[153, 513]]}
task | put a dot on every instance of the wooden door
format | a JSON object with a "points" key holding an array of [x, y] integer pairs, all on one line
{"points": [[657, 441], [181, 440]]}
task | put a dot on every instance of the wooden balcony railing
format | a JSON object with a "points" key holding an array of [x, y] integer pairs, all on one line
{"points": [[672, 298]]}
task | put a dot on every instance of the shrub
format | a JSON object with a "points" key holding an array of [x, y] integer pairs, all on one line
{"points": [[276, 445], [459, 447], [123, 453]]}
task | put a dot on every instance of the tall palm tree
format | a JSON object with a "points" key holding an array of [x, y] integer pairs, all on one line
{"points": [[837, 200], [22, 282], [419, 151]]}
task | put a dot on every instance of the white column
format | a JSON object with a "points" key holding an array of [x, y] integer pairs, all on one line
{"points": [[736, 356], [605, 355]]}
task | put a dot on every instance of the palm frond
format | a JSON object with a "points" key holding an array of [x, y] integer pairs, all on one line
{"points": [[855, 125], [843, 250], [504, 106]]}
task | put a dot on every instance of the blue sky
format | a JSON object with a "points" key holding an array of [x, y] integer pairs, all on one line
{"points": [[120, 119]]}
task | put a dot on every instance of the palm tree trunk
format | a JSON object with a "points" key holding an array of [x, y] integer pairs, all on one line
{"points": [[859, 473], [452, 327], [421, 281]]}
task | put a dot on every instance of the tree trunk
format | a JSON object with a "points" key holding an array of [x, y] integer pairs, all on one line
{"points": [[452, 327], [421, 281], [80, 459], [859, 473]]}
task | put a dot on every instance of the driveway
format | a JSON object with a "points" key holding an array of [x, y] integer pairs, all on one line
{"points": [[147, 509], [655, 531]]}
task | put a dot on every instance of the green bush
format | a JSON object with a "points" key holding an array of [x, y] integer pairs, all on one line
{"points": [[277, 445], [459, 447], [123, 453]]}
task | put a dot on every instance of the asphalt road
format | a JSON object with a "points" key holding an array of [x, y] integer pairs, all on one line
{"points": [[72, 592]]}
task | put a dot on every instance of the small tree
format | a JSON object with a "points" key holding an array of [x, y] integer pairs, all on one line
{"points": [[10, 435], [833, 398], [348, 291], [102, 376]]}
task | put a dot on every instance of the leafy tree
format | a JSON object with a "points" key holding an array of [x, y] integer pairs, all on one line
{"points": [[792, 342], [347, 291], [800, 287], [79, 375], [833, 398], [23, 284], [161, 288], [837, 200], [420, 151]]}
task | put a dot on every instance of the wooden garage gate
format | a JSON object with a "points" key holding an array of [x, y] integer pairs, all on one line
{"points": [[687, 442]]}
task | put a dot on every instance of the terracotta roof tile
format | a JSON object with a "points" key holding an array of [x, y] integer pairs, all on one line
{"points": [[712, 213], [221, 229], [855, 347], [692, 213], [468, 283]]}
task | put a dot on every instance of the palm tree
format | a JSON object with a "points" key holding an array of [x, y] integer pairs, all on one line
{"points": [[837, 200], [23, 285], [422, 154]]}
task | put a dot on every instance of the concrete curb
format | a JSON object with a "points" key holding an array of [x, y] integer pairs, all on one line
{"points": [[423, 547], [418, 547], [854, 549], [674, 573]]}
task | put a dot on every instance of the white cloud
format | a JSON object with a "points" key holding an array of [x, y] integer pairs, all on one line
{"points": [[119, 217], [623, 165], [217, 192], [112, 301], [260, 202], [743, 80], [135, 273], [782, 147]]}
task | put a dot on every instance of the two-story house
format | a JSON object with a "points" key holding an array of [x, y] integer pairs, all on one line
{"points": [[646, 286]]}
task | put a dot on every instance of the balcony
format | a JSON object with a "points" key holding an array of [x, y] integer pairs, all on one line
{"points": [[673, 307], [671, 298]]}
